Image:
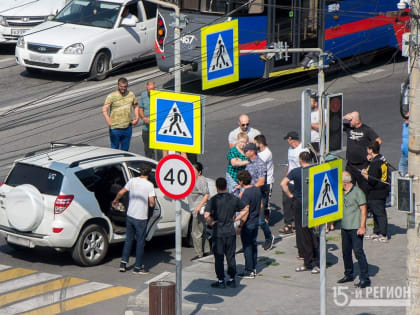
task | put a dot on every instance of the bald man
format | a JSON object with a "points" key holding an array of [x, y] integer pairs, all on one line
{"points": [[244, 126], [359, 136]]}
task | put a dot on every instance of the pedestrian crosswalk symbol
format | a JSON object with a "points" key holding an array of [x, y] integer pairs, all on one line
{"points": [[220, 54], [326, 197], [325, 200], [220, 59], [174, 124]]}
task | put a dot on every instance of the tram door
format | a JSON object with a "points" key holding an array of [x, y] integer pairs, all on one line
{"points": [[309, 23], [283, 27]]}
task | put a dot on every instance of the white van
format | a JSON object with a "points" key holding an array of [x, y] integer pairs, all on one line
{"points": [[18, 16]]}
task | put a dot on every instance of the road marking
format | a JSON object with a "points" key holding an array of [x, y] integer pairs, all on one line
{"points": [[75, 93], [26, 281], [78, 302], [7, 60], [20, 295], [367, 73], [15, 273], [257, 102], [53, 297]]}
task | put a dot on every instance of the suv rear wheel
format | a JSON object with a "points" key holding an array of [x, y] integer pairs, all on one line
{"points": [[91, 246]]}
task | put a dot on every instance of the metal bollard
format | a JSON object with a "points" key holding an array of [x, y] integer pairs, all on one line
{"points": [[162, 298]]}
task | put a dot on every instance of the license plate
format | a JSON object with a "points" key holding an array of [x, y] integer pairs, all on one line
{"points": [[41, 58], [18, 31], [19, 241]]}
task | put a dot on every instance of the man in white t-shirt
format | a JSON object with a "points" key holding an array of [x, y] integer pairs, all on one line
{"points": [[295, 148], [315, 122], [264, 153], [141, 197], [243, 123]]}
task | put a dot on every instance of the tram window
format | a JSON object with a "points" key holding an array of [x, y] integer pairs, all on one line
{"points": [[257, 7], [309, 23], [190, 5], [216, 6]]}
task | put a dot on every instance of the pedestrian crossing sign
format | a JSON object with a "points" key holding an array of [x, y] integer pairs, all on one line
{"points": [[219, 51], [175, 122], [325, 193]]}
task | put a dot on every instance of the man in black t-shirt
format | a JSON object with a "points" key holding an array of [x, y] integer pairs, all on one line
{"points": [[220, 214], [306, 241], [359, 136], [252, 197]]}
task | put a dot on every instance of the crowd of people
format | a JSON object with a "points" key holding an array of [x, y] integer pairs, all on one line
{"points": [[242, 202]]}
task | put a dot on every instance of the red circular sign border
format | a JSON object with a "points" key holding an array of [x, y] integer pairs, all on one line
{"points": [[190, 167]]}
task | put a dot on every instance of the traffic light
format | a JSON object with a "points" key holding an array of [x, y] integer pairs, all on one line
{"points": [[335, 122]]}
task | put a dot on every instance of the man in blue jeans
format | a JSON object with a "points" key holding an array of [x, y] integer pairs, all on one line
{"points": [[141, 197], [251, 197], [117, 110], [257, 168]]}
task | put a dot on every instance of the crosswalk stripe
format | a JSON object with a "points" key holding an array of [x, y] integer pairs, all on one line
{"points": [[39, 289], [91, 298], [53, 297], [26, 281], [3, 267], [15, 273]]}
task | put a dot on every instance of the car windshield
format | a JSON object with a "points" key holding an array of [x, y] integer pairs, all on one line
{"points": [[90, 12]]}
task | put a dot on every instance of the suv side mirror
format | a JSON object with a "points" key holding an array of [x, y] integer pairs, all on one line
{"points": [[128, 22]]}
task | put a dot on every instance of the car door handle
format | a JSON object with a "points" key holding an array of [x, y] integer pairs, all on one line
{"points": [[143, 28]]}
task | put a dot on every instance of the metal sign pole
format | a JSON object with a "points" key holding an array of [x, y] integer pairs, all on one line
{"points": [[323, 149], [178, 255]]}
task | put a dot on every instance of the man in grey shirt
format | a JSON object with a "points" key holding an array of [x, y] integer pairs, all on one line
{"points": [[197, 199], [244, 126]]}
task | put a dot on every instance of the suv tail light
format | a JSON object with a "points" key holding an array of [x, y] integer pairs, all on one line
{"points": [[160, 33], [62, 202]]}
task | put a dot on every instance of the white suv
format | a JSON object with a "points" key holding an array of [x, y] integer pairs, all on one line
{"points": [[62, 199]]}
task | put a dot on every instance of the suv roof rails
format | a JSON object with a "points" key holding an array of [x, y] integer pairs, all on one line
{"points": [[53, 145], [76, 163]]}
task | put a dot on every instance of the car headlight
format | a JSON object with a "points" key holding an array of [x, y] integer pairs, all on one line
{"points": [[21, 42], [3, 21], [75, 49]]}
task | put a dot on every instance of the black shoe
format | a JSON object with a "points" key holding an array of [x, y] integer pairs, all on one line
{"points": [[196, 257], [268, 244], [363, 284], [231, 283], [247, 275], [140, 271], [218, 284], [123, 267], [345, 279]]}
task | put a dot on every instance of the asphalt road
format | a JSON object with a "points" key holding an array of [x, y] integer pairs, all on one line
{"points": [[54, 107]]}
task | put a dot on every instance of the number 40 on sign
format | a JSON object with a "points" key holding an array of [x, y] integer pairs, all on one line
{"points": [[175, 176]]}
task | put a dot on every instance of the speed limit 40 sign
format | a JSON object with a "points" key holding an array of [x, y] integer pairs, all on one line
{"points": [[175, 176]]}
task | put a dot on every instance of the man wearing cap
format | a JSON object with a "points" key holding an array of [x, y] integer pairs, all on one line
{"points": [[353, 227], [257, 168], [295, 148], [243, 123]]}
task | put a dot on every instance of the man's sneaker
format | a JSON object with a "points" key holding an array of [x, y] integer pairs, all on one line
{"points": [[383, 239], [247, 275], [268, 244], [140, 271], [315, 270], [218, 284], [123, 267], [372, 237], [231, 283]]}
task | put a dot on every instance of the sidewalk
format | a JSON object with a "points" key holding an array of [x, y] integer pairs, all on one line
{"points": [[279, 290]]}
